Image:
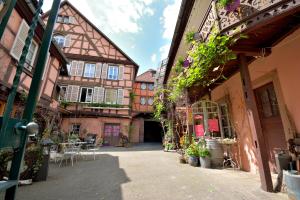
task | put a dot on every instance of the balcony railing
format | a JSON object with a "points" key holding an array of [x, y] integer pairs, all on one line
{"points": [[247, 14]]}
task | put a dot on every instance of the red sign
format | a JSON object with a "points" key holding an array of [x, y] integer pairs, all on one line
{"points": [[213, 125]]}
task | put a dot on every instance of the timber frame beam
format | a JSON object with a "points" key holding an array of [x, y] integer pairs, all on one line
{"points": [[255, 125], [251, 51]]}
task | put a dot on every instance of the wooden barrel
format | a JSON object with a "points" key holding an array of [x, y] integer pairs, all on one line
{"points": [[216, 151]]}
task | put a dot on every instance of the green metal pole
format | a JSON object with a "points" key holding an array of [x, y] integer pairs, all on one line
{"points": [[10, 6], [13, 92], [34, 92]]}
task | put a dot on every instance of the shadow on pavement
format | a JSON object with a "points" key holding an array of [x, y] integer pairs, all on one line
{"points": [[134, 147], [99, 179]]}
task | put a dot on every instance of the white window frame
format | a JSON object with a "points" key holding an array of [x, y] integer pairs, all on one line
{"points": [[151, 86], [88, 72], [86, 95], [66, 19], [72, 128], [145, 101], [64, 97], [60, 18], [116, 96], [60, 40], [29, 63], [113, 72], [150, 99], [143, 86]]}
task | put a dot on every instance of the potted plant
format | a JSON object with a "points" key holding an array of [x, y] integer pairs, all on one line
{"points": [[193, 152], [204, 155]]}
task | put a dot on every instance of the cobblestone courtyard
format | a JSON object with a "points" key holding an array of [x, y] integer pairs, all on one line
{"points": [[143, 172]]}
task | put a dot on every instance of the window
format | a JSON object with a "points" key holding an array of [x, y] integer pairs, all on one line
{"points": [[64, 19], [86, 95], [62, 93], [225, 121], [113, 72], [31, 55], [89, 70], [60, 18], [69, 68], [111, 96], [150, 101], [143, 100], [75, 129], [60, 40], [150, 86], [143, 86]]}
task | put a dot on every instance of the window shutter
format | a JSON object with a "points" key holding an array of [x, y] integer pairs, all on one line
{"points": [[74, 93], [68, 93], [73, 67], [19, 42], [121, 72], [67, 41], [98, 70], [98, 94], [104, 71], [120, 96], [80, 66], [71, 20]]}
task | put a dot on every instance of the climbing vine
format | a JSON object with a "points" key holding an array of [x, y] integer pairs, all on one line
{"points": [[207, 59]]}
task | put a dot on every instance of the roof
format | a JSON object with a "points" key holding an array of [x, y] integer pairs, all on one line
{"points": [[148, 76], [183, 17], [97, 29]]}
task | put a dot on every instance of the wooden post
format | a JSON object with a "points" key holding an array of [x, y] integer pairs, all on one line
{"points": [[259, 142]]}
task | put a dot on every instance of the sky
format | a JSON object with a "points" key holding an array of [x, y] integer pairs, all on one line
{"points": [[143, 29]]}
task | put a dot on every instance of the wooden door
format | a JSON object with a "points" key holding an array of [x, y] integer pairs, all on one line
{"points": [[112, 134], [270, 121]]}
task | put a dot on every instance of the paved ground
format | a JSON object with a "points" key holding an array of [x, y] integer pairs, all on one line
{"points": [[143, 173]]}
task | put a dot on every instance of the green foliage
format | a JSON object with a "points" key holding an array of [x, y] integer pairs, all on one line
{"points": [[224, 3], [23, 96], [193, 150], [65, 103], [179, 66], [169, 146], [206, 56], [204, 152], [189, 37], [104, 105]]}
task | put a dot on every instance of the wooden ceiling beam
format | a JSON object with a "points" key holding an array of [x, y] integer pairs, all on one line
{"points": [[251, 51]]}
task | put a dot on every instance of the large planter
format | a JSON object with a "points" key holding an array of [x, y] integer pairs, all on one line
{"points": [[194, 161], [216, 151], [292, 180], [205, 162]]}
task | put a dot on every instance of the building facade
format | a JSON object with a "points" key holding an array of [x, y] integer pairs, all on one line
{"points": [[12, 43], [257, 102], [101, 78], [145, 128]]}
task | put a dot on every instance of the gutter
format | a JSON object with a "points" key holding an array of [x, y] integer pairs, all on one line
{"points": [[183, 17]]}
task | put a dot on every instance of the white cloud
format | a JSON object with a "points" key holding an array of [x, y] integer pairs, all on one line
{"points": [[169, 19], [164, 51], [113, 16], [153, 58]]}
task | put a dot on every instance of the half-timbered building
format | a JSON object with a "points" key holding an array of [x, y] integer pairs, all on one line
{"points": [[101, 77], [145, 128], [11, 45]]}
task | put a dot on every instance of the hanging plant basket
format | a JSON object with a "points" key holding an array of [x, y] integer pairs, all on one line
{"points": [[232, 6]]}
